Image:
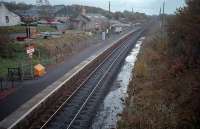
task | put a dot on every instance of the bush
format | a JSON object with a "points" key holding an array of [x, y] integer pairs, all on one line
{"points": [[140, 68], [5, 44], [184, 33]]}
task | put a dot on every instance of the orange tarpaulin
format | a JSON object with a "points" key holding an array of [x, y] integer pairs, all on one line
{"points": [[39, 70]]}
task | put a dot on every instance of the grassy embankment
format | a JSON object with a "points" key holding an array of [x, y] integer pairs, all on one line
{"points": [[49, 50], [160, 97], [22, 29]]}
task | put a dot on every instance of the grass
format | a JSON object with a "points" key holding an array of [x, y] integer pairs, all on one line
{"points": [[22, 29], [19, 55], [45, 28], [5, 64], [15, 29], [69, 43], [22, 58]]}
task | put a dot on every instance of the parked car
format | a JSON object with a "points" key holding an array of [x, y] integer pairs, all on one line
{"points": [[21, 38], [118, 29]]}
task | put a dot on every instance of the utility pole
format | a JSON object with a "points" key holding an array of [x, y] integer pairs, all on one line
{"points": [[108, 30], [163, 17], [160, 18], [109, 8], [163, 22]]}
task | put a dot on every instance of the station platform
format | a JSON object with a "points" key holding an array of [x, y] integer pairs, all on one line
{"points": [[32, 93]]}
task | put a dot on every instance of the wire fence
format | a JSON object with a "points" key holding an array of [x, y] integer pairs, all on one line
{"points": [[25, 71], [7, 83], [25, 68]]}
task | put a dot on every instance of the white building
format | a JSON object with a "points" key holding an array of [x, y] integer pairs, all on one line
{"points": [[92, 21], [8, 18]]}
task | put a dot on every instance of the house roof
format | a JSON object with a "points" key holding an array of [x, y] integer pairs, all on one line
{"points": [[91, 17], [95, 16], [82, 18], [3, 9], [32, 12]]}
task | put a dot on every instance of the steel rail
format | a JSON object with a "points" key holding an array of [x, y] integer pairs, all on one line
{"points": [[81, 85], [93, 91]]}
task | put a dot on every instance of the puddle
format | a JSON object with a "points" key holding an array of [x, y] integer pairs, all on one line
{"points": [[113, 104]]}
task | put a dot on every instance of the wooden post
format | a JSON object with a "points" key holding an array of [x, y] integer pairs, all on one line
{"points": [[1, 82]]}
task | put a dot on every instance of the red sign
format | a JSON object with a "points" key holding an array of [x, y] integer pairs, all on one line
{"points": [[30, 49]]}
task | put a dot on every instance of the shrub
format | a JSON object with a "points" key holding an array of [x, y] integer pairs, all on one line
{"points": [[5, 44], [184, 33], [140, 68]]}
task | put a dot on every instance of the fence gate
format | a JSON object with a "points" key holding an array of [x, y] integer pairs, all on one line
{"points": [[27, 71], [14, 74]]}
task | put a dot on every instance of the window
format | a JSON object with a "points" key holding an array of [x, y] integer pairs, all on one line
{"points": [[7, 19]]}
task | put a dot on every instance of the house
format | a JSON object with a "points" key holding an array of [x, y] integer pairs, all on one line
{"points": [[60, 11], [92, 22], [115, 23], [8, 18], [81, 22], [97, 22]]}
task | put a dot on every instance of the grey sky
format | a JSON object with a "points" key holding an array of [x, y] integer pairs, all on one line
{"points": [[147, 6]]}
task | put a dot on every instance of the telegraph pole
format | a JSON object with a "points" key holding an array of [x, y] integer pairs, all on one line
{"points": [[160, 17], [109, 8], [109, 29], [163, 21]]}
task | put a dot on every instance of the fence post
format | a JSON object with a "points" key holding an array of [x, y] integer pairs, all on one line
{"points": [[12, 79], [20, 73], [22, 70], [1, 83]]}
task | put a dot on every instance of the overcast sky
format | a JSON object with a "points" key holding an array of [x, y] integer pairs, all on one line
{"points": [[147, 6]]}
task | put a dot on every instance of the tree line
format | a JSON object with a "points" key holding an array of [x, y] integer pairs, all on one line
{"points": [[184, 34], [75, 10]]}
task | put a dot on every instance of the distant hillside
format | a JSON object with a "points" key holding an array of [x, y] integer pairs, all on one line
{"points": [[12, 6], [75, 10]]}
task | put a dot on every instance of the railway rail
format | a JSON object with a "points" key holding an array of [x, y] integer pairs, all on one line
{"points": [[73, 104], [78, 110]]}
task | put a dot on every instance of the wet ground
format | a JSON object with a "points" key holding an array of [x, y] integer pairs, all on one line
{"points": [[113, 104]]}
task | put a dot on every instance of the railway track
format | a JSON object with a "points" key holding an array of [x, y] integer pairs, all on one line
{"points": [[77, 111], [76, 105]]}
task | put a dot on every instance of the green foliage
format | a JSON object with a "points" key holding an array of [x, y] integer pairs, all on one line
{"points": [[13, 29], [7, 46], [5, 43], [10, 55], [6, 63], [45, 28], [22, 29], [134, 16]]}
